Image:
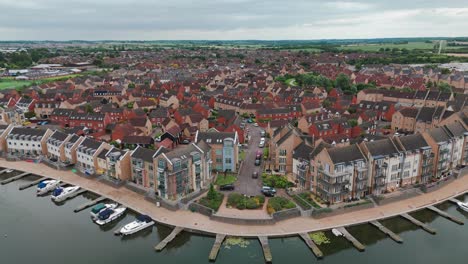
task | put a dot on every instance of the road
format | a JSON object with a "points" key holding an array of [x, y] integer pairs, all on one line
{"points": [[245, 183]]}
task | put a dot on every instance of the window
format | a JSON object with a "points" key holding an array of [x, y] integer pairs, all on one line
{"points": [[228, 161], [282, 152], [339, 169], [394, 167], [406, 174], [407, 165]]}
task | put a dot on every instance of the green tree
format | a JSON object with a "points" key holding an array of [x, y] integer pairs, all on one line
{"points": [[212, 194], [89, 109], [352, 122], [326, 103], [343, 82], [444, 87]]}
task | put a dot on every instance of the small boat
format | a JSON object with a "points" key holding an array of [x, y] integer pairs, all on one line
{"points": [[61, 194], [109, 215], [463, 206], [141, 222], [46, 186], [336, 232], [9, 171], [101, 207]]}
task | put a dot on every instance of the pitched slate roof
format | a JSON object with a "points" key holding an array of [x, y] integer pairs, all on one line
{"points": [[144, 154], [214, 137], [384, 147], [302, 151], [345, 154], [413, 142]]}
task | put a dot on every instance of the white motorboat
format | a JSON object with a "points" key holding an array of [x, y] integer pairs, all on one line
{"points": [[46, 186], [101, 207], [463, 206], [336, 232], [141, 222], [9, 171], [109, 215], [61, 194]]}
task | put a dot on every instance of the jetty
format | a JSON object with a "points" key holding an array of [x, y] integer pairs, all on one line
{"points": [[27, 185], [446, 215], [3, 171], [266, 248], [455, 201], [419, 223], [14, 178], [387, 231], [169, 238], [81, 191], [310, 243], [216, 246], [351, 239], [89, 204]]}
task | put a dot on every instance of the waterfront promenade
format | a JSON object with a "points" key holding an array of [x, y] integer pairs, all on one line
{"points": [[197, 222]]}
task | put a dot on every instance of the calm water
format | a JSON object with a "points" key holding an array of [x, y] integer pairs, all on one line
{"points": [[39, 231]]}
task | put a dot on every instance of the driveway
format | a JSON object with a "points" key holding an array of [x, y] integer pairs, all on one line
{"points": [[245, 183]]}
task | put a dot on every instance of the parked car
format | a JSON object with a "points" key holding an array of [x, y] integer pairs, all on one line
{"points": [[255, 124], [269, 194], [268, 189], [262, 133], [258, 162], [255, 175], [226, 187], [261, 144], [185, 141]]}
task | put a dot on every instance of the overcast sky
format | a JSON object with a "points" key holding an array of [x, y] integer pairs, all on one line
{"points": [[230, 19]]}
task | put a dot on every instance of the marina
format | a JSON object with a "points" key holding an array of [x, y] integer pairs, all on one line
{"points": [[279, 248]]}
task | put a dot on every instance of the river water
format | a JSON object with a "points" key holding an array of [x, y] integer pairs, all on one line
{"points": [[35, 230]]}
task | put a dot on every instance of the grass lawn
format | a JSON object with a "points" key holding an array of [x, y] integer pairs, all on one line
{"points": [[242, 155], [223, 180], [278, 203], [376, 47], [10, 83], [291, 82]]}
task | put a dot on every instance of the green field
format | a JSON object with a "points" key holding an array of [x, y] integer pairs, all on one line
{"points": [[377, 47], [10, 83]]}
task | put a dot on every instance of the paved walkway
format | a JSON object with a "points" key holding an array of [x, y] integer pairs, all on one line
{"points": [[198, 222]]}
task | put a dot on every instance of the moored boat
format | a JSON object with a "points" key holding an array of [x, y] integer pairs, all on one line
{"points": [[141, 222], [463, 206], [108, 215], [61, 194], [101, 207], [46, 186], [336, 232]]}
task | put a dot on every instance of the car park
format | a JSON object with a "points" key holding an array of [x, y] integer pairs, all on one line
{"points": [[226, 187]]}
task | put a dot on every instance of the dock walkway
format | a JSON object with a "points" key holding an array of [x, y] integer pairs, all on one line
{"points": [[14, 178], [89, 204], [216, 246], [27, 185], [419, 223], [310, 243], [387, 231], [446, 215], [169, 238], [351, 239], [266, 248]]}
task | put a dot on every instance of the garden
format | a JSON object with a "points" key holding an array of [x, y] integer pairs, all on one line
{"points": [[277, 204], [241, 202], [307, 200], [213, 199], [276, 181], [225, 178]]}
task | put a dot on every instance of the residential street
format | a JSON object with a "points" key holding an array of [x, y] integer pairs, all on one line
{"points": [[245, 183]]}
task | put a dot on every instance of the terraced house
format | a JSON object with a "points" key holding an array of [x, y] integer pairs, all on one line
{"points": [[86, 154], [142, 169], [25, 142], [182, 171], [342, 173], [56, 146]]}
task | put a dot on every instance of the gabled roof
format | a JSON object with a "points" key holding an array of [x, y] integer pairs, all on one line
{"points": [[345, 154], [413, 142], [384, 147], [144, 154]]}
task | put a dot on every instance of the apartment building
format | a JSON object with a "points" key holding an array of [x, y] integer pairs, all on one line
{"points": [[118, 166], [142, 167], [386, 164], [182, 171], [419, 160], [342, 173], [224, 149]]}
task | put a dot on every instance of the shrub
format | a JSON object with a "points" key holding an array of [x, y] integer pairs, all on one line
{"points": [[277, 204], [251, 204], [276, 181], [213, 200], [234, 199]]}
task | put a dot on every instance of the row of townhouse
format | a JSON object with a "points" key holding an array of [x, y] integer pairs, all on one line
{"points": [[171, 174], [376, 167]]}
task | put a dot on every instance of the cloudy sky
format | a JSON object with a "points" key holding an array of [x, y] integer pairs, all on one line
{"points": [[230, 19]]}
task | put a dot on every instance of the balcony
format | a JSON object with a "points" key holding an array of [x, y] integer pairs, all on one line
{"points": [[334, 174], [334, 192], [332, 181], [379, 183]]}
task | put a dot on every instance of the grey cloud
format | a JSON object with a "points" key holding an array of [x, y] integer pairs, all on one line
{"points": [[105, 19]]}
